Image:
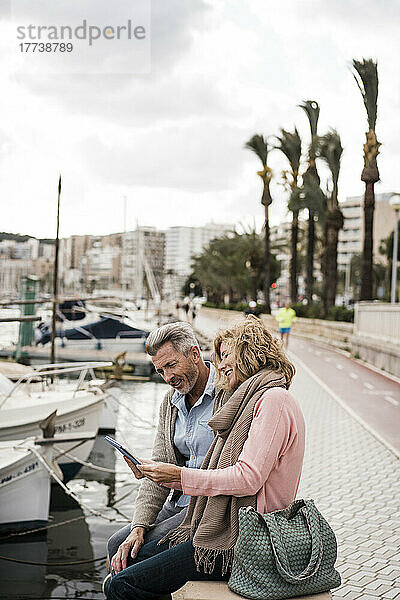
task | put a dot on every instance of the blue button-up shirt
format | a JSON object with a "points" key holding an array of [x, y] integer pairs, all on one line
{"points": [[193, 436]]}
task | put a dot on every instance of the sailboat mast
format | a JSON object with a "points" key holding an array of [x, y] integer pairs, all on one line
{"points": [[123, 258], [55, 279]]}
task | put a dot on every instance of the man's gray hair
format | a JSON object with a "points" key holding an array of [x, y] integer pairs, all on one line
{"points": [[180, 334]]}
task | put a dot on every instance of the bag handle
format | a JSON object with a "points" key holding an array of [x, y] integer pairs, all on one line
{"points": [[281, 558]]}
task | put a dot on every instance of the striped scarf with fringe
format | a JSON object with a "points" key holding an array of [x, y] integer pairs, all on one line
{"points": [[212, 522]]}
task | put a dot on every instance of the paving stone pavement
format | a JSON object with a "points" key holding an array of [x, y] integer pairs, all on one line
{"points": [[355, 482]]}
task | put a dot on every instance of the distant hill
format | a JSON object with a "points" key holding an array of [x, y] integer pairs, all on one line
{"points": [[23, 238]]}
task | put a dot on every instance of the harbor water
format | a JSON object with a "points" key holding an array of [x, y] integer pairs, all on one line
{"points": [[74, 535]]}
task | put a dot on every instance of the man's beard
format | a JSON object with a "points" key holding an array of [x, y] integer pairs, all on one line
{"points": [[191, 376]]}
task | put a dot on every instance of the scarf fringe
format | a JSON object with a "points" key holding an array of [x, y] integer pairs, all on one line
{"points": [[205, 559], [175, 537]]}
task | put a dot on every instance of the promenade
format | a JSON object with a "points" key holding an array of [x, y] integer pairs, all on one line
{"points": [[351, 474]]}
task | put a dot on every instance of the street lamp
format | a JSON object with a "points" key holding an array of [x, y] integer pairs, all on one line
{"points": [[395, 204]]}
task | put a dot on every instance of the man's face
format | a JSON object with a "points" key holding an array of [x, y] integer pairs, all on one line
{"points": [[178, 370]]}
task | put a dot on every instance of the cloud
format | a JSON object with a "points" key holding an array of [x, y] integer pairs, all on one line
{"points": [[173, 140], [198, 156]]}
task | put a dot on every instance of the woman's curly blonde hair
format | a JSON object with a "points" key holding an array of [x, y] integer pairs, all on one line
{"points": [[254, 348]]}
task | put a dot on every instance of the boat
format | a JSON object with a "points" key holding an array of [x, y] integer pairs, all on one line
{"points": [[72, 416], [38, 382], [99, 329], [24, 485], [78, 411]]}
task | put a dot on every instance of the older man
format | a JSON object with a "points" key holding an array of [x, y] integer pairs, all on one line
{"points": [[183, 437]]}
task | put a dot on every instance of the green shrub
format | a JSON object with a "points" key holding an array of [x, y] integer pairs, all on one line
{"points": [[315, 311], [239, 306], [300, 309], [341, 313], [312, 311]]}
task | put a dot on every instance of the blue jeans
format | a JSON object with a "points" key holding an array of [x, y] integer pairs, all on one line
{"points": [[159, 570], [169, 517]]}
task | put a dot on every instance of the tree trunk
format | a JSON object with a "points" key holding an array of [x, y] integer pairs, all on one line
{"points": [[310, 256], [334, 222], [312, 177], [254, 278], [369, 175], [366, 272], [267, 266], [293, 259]]}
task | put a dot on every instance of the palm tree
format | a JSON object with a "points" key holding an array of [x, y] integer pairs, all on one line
{"points": [[290, 144], [311, 196], [259, 146], [330, 150], [366, 75]]}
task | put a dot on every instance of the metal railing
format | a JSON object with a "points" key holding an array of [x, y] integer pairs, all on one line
{"points": [[56, 369]]}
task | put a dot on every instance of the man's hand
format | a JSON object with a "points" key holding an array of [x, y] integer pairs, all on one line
{"points": [[160, 472], [131, 545]]}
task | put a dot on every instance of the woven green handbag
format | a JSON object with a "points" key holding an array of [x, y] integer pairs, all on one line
{"points": [[286, 553]]}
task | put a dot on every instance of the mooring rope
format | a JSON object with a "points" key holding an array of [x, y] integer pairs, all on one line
{"points": [[84, 463], [53, 564], [52, 473], [44, 528]]}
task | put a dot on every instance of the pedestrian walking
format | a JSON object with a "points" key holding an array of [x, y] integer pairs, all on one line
{"points": [[194, 313], [186, 307], [285, 317]]}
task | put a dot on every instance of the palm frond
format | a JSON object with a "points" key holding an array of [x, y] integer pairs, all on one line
{"points": [[330, 149], [290, 144], [366, 75], [259, 146], [309, 196], [311, 108]]}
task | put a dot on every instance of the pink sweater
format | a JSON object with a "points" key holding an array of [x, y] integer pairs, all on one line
{"points": [[270, 462]]}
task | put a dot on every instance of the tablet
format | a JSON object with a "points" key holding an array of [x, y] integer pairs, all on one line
{"points": [[121, 449]]}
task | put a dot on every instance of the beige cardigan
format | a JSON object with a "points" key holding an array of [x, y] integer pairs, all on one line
{"points": [[152, 496]]}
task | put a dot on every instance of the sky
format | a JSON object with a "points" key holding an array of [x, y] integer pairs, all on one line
{"points": [[171, 140]]}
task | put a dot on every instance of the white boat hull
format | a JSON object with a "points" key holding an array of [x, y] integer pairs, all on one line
{"points": [[73, 416], [24, 492]]}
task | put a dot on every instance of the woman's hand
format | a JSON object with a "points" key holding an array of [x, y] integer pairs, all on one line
{"points": [[133, 468], [160, 472]]}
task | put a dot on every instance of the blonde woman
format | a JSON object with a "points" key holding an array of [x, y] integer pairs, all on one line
{"points": [[255, 460]]}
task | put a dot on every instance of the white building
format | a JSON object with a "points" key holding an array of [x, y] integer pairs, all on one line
{"points": [[47, 251], [280, 242], [182, 244], [102, 265], [142, 262], [11, 272], [351, 236], [20, 250]]}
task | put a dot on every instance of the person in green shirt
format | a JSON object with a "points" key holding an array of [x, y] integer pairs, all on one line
{"points": [[285, 317]]}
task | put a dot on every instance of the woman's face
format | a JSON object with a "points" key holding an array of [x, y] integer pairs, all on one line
{"points": [[227, 366]]}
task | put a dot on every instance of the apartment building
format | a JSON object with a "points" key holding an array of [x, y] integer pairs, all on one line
{"points": [[182, 244], [143, 262], [351, 236]]}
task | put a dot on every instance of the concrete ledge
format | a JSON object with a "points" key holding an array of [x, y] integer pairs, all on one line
{"points": [[380, 353], [218, 590], [334, 333]]}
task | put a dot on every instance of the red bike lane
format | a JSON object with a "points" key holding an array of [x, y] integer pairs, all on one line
{"points": [[371, 395]]}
